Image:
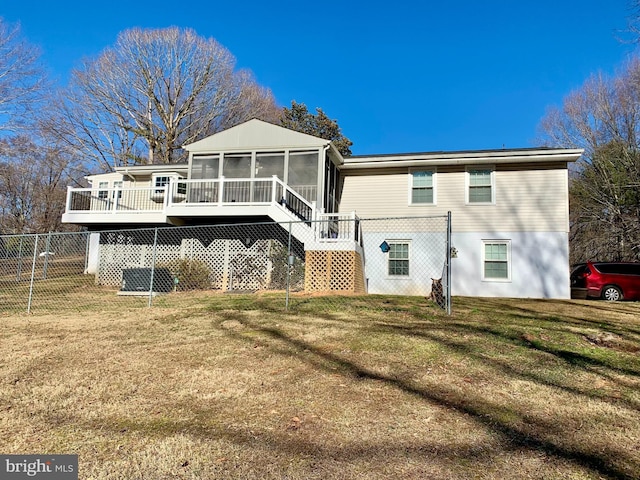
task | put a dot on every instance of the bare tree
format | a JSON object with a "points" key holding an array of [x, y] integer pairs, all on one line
{"points": [[603, 117], [152, 92], [21, 78], [33, 182]]}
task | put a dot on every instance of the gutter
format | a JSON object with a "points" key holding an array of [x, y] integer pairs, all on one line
{"points": [[559, 156]]}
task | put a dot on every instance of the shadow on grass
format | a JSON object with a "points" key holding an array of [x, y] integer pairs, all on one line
{"points": [[592, 310], [587, 364], [607, 462]]}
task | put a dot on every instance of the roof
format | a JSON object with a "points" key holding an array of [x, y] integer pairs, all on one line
{"points": [[464, 157], [255, 135], [153, 168]]}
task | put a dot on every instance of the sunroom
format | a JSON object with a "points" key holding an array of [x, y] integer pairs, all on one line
{"points": [[241, 172]]}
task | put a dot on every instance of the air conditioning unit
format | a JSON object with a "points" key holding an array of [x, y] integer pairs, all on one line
{"points": [[139, 280]]}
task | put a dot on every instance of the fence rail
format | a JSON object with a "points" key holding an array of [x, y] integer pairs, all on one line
{"points": [[398, 256]]}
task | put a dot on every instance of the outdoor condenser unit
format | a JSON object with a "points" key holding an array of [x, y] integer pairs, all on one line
{"points": [[139, 280]]}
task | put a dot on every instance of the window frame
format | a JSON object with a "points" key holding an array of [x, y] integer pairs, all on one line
{"points": [[467, 189], [407, 259], [103, 190], [159, 190], [434, 186], [119, 185], [201, 165], [484, 259]]}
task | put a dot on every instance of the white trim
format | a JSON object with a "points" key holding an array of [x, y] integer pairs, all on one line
{"points": [[434, 187], [430, 159], [483, 259], [467, 184]]}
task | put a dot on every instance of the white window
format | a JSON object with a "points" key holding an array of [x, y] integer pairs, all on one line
{"points": [[118, 184], [103, 194], [480, 185], [159, 182], [423, 187], [398, 258], [496, 260]]}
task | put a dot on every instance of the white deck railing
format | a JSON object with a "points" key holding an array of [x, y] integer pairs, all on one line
{"points": [[328, 227], [337, 227], [115, 200]]}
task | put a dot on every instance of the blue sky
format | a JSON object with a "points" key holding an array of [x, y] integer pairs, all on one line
{"points": [[405, 76]]}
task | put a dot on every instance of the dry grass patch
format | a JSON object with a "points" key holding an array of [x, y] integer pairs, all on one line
{"points": [[232, 386]]}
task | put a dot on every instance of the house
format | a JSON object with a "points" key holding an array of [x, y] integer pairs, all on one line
{"points": [[509, 209]]}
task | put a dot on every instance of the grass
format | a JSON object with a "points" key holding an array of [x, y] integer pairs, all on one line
{"points": [[232, 386]]}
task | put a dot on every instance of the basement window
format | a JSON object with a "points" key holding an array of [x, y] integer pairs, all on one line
{"points": [[496, 255], [398, 258]]}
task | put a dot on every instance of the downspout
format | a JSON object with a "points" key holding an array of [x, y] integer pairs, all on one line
{"points": [[126, 172], [322, 183]]}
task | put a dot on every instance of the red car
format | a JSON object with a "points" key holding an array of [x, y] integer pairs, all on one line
{"points": [[608, 280]]}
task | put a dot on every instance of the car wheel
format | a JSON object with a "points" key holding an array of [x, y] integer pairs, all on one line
{"points": [[611, 293]]}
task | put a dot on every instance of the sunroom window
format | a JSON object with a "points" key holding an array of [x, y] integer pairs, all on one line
{"points": [[205, 167], [303, 174], [270, 164], [237, 165]]}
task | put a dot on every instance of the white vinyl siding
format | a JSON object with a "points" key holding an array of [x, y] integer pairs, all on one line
{"points": [[525, 200], [530, 273], [422, 188], [496, 256]]}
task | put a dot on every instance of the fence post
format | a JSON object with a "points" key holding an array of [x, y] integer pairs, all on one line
{"points": [[46, 256], [86, 253], [448, 300], [153, 264], [33, 273], [286, 303]]}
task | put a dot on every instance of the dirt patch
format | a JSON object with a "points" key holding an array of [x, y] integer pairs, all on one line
{"points": [[609, 340]]}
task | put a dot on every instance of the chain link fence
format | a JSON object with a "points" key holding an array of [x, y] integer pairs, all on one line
{"points": [[338, 255]]}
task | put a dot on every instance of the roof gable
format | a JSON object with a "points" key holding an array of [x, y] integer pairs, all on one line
{"points": [[253, 135]]}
